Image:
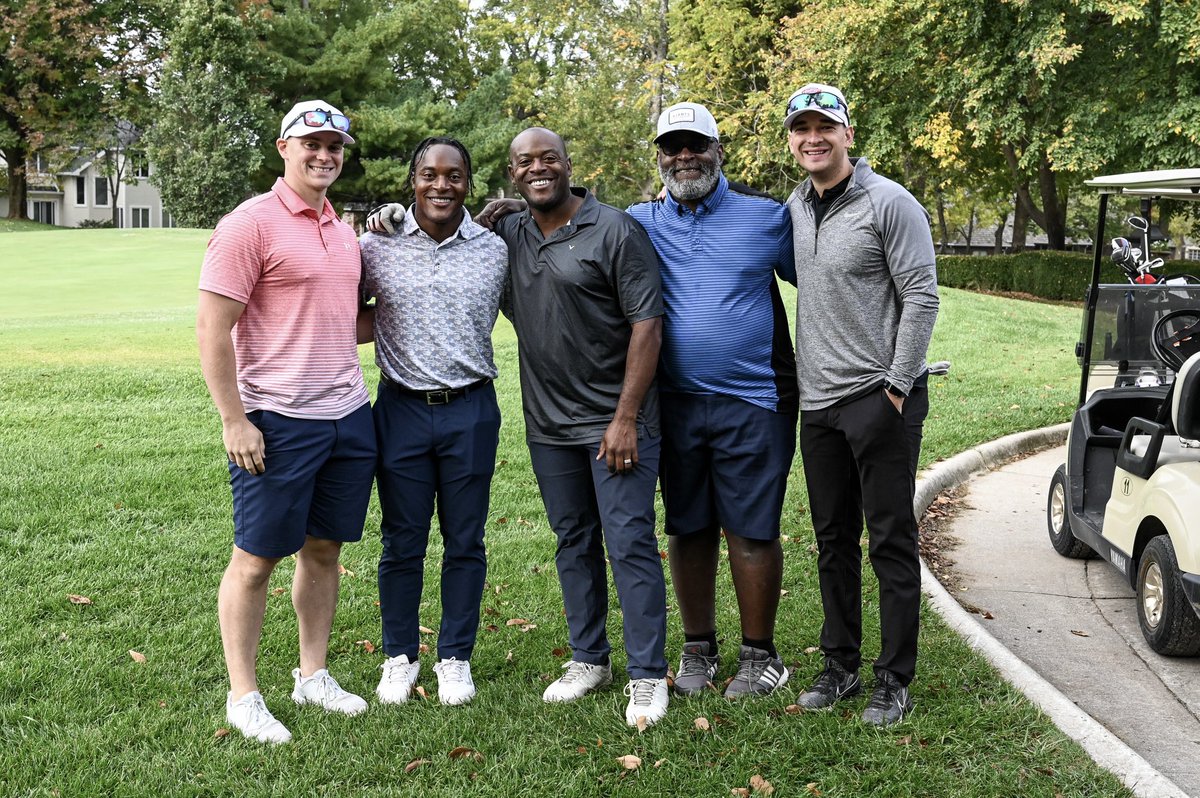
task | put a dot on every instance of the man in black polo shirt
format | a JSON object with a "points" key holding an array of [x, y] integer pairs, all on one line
{"points": [[586, 303]]}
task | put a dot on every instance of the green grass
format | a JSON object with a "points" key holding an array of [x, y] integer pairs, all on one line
{"points": [[113, 486]]}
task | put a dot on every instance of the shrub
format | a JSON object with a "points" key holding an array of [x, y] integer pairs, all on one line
{"points": [[92, 223], [1044, 273]]}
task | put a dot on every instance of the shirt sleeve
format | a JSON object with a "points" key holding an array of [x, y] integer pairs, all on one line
{"points": [[785, 267], [908, 244], [233, 261], [638, 281]]}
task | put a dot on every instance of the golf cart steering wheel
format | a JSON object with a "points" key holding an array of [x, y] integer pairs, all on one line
{"points": [[1176, 337]]}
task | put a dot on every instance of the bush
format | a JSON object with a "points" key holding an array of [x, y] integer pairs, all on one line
{"points": [[94, 223], [1045, 274]]}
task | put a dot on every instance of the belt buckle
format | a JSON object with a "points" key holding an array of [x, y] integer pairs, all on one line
{"points": [[442, 397]]}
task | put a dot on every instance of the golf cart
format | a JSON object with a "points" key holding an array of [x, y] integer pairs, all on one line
{"points": [[1130, 489]]}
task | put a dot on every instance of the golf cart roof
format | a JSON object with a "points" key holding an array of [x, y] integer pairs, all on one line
{"points": [[1174, 183]]}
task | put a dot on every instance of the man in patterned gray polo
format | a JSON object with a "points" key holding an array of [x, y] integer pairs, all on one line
{"points": [[437, 286]]}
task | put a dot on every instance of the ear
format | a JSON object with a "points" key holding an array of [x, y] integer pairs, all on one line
{"points": [[849, 137], [720, 154], [569, 167], [281, 146]]}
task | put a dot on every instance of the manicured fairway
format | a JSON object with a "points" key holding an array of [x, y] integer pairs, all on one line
{"points": [[113, 487]]}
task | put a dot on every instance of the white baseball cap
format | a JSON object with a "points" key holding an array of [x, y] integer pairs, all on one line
{"points": [[820, 97], [313, 116], [691, 117]]}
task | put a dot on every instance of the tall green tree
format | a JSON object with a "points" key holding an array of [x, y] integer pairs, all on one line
{"points": [[49, 61], [211, 113]]}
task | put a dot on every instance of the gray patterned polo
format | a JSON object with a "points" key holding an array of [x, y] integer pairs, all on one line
{"points": [[435, 304]]}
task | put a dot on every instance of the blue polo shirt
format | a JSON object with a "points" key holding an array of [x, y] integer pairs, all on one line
{"points": [[725, 330]]}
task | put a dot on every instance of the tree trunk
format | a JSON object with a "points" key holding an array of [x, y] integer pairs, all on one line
{"points": [[943, 234], [1026, 210], [18, 188], [1020, 222], [661, 48], [1053, 208], [998, 239]]}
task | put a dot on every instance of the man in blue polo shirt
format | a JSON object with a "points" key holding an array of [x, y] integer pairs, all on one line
{"points": [[727, 394]]}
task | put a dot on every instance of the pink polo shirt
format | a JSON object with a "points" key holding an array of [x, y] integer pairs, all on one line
{"points": [[298, 276]]}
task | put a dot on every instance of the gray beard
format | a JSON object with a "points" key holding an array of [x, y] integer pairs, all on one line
{"points": [[710, 175]]}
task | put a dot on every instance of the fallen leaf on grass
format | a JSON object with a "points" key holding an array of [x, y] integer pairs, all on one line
{"points": [[524, 522], [793, 709], [1079, 633], [279, 591], [905, 740], [515, 622], [761, 786], [162, 704], [630, 762], [423, 649], [491, 627], [508, 656], [783, 592], [662, 555], [702, 724], [75, 598], [581, 749], [740, 792], [137, 656], [413, 765], [425, 630], [812, 788], [344, 571], [490, 611], [462, 751], [367, 645], [559, 652], [421, 692], [659, 762], [642, 723], [219, 733], [812, 650]]}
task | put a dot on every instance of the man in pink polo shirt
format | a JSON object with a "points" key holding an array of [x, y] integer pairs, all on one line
{"points": [[278, 348]]}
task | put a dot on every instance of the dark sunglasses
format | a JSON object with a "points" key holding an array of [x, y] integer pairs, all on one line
{"points": [[821, 99], [319, 118], [695, 144]]}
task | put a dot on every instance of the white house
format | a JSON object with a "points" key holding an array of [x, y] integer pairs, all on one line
{"points": [[81, 192]]}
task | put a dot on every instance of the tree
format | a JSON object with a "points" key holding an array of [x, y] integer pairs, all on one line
{"points": [[50, 59], [210, 114]]}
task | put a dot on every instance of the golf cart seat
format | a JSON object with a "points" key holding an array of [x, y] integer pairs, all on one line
{"points": [[1147, 446]]}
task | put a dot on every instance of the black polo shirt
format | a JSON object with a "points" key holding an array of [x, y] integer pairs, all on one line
{"points": [[573, 298]]}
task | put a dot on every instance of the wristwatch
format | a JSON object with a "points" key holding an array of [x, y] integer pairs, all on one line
{"points": [[894, 391]]}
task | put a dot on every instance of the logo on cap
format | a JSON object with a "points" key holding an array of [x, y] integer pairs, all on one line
{"points": [[681, 115]]}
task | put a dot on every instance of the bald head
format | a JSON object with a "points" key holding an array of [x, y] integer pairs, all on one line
{"points": [[540, 169]]}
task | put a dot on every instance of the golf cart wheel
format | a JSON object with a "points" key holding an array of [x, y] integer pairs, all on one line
{"points": [[1168, 621], [1057, 507]]}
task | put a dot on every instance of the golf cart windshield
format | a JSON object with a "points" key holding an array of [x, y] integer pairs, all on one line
{"points": [[1121, 351]]}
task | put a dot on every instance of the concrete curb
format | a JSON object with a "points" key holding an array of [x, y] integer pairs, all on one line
{"points": [[1102, 745]]}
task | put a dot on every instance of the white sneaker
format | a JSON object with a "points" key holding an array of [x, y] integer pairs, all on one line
{"points": [[454, 681], [323, 689], [399, 677], [580, 679], [250, 716], [647, 701]]}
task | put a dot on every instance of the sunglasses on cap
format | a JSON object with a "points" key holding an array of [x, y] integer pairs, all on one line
{"points": [[821, 99], [319, 118], [673, 145]]}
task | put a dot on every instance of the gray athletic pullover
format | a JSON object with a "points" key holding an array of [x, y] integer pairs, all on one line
{"points": [[866, 297]]}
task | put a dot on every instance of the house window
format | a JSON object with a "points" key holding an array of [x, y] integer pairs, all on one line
{"points": [[168, 219], [141, 217], [141, 168], [101, 191], [1191, 253], [40, 165], [80, 191]]}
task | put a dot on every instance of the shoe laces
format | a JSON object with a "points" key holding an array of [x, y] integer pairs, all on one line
{"points": [[257, 714], [326, 686], [830, 680], [750, 669], [453, 670], [694, 664], [884, 696], [575, 671], [396, 671], [641, 690]]}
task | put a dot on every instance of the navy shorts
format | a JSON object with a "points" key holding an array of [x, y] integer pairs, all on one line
{"points": [[317, 482], [725, 464]]}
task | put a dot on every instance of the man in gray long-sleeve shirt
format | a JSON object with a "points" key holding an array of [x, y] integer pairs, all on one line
{"points": [[866, 305]]}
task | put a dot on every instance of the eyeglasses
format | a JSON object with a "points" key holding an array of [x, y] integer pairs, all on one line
{"points": [[694, 142], [821, 99], [319, 118]]}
